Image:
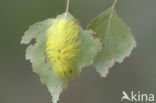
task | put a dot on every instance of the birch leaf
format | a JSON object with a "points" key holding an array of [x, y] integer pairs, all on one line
{"points": [[36, 53], [116, 39]]}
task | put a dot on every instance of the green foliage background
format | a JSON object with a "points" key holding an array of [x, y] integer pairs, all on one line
{"points": [[19, 85]]}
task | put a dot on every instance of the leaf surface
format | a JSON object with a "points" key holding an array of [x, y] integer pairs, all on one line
{"points": [[37, 55], [116, 39]]}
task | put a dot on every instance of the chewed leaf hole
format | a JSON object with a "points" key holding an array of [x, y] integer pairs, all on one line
{"points": [[33, 41]]}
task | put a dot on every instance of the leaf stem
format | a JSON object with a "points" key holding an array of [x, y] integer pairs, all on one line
{"points": [[114, 4], [67, 7]]}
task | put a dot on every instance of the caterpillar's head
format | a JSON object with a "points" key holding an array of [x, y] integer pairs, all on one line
{"points": [[62, 46]]}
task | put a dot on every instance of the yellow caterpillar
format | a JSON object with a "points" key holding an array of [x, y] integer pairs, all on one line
{"points": [[62, 46]]}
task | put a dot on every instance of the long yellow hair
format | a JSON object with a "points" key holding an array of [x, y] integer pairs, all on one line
{"points": [[62, 46]]}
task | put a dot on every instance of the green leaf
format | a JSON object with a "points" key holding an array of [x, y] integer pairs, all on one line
{"points": [[37, 55], [116, 38], [90, 47]]}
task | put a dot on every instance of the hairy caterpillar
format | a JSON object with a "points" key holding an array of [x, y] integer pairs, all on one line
{"points": [[62, 46]]}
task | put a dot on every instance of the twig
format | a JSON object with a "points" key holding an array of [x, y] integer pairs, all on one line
{"points": [[114, 4], [67, 7]]}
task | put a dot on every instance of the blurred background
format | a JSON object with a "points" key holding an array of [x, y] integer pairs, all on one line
{"points": [[18, 84]]}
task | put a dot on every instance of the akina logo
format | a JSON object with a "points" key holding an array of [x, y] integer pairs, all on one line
{"points": [[137, 97]]}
